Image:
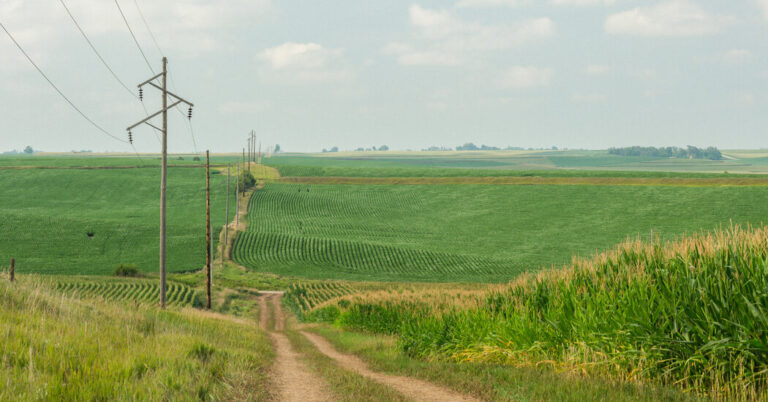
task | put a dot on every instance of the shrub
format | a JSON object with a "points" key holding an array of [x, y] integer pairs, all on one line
{"points": [[127, 270]]}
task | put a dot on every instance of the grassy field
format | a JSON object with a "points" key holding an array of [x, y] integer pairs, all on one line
{"points": [[511, 163], [46, 216], [59, 347], [467, 232], [689, 313]]}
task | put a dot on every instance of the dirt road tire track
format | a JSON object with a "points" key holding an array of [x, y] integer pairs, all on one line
{"points": [[415, 389], [292, 378]]}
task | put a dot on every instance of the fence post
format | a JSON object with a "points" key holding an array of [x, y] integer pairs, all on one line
{"points": [[13, 269]]}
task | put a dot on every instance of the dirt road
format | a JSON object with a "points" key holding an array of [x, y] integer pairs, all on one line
{"points": [[296, 382]]}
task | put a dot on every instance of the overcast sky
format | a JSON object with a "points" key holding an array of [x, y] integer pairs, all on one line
{"points": [[311, 74]]}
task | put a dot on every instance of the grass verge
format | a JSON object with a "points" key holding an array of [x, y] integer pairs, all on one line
{"points": [[59, 347], [488, 381]]}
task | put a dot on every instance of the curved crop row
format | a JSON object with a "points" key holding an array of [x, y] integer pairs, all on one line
{"points": [[257, 248], [306, 295], [137, 290]]}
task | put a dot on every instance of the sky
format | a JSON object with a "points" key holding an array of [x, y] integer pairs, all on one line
{"points": [[310, 75]]}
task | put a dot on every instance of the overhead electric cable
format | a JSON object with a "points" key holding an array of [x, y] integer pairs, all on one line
{"points": [[57, 88], [151, 35], [72, 17], [104, 62], [173, 84], [136, 41]]}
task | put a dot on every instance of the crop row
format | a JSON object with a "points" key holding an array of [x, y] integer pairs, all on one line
{"points": [[688, 313], [141, 291], [307, 295], [258, 248], [295, 208]]}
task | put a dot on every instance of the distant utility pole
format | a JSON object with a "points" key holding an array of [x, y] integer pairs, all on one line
{"points": [[208, 228], [253, 143], [164, 166], [249, 153], [259, 152], [226, 223], [237, 197], [243, 178], [13, 269]]}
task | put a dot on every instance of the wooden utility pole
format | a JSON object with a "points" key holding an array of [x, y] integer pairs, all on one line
{"points": [[226, 223], [13, 270], [208, 228], [259, 152], [164, 165], [237, 198]]}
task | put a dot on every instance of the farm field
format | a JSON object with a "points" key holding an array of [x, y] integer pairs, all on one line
{"points": [[512, 163], [359, 260], [686, 313], [476, 233], [46, 216]]}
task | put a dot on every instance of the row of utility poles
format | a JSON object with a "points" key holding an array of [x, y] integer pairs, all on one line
{"points": [[165, 93], [163, 129]]}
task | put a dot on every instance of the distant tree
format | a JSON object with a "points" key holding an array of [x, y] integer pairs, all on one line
{"points": [[468, 147], [334, 149], [374, 148], [277, 148], [383, 148], [325, 150], [360, 149], [488, 148], [669, 152], [29, 150]]}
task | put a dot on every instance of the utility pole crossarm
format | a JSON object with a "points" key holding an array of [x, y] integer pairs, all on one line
{"points": [[164, 164], [153, 115], [172, 94], [150, 80]]}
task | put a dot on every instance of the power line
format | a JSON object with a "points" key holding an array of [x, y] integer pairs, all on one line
{"points": [[151, 35], [57, 88], [96, 51], [104, 62], [134, 37], [173, 84]]}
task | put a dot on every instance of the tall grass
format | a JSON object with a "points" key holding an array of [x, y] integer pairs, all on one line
{"points": [[58, 347], [689, 313]]}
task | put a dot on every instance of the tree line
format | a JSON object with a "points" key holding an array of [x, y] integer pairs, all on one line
{"points": [[690, 152]]}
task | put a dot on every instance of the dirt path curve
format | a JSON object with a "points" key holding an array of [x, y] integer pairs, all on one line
{"points": [[294, 381]]}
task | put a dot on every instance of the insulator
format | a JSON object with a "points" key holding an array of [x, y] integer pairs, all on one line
{"points": [[130, 137], [141, 94], [189, 113]]}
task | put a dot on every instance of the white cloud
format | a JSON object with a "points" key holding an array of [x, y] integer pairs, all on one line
{"points": [[299, 55], [492, 3], [597, 69], [303, 63], [236, 107], [527, 77], [517, 3], [763, 4], [182, 26], [588, 98], [737, 56], [443, 39], [744, 98], [583, 2], [671, 18]]}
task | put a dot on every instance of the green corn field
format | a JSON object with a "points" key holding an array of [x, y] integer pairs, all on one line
{"points": [[132, 290], [689, 313]]}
